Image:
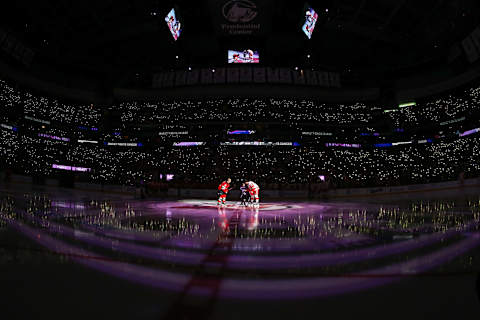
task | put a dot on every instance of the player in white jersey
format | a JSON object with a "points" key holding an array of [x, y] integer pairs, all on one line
{"points": [[253, 189]]}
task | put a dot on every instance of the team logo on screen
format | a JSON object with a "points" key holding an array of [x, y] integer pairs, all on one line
{"points": [[240, 11]]}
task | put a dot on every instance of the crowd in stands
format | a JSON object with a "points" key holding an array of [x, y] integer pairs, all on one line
{"points": [[24, 150], [425, 163], [244, 110], [18, 101], [438, 110]]}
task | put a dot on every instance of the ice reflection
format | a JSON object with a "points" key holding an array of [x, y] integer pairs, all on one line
{"points": [[335, 247]]}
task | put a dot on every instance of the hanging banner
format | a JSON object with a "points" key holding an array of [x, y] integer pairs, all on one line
{"points": [[284, 75], [193, 77], [259, 75], [180, 78], [311, 78], [245, 75], [168, 79], [273, 75], [233, 75], [219, 76], [206, 76]]}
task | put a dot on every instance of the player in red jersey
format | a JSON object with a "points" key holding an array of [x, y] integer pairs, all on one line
{"points": [[223, 189], [254, 189]]}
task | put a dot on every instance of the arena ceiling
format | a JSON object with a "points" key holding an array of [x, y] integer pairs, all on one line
{"points": [[364, 36]]}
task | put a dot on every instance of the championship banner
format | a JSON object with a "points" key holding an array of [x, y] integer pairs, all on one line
{"points": [[157, 80], [206, 76], [298, 77], [219, 76], [273, 75], [323, 79], [245, 75], [180, 78], [284, 75], [15, 48], [334, 79], [168, 79], [311, 78], [476, 38], [233, 75], [3, 35], [242, 17], [193, 77], [471, 46], [259, 75]]}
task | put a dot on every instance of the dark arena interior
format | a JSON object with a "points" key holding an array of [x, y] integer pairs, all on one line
{"points": [[240, 159]]}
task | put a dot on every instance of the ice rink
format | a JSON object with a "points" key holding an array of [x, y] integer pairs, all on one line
{"points": [[162, 259]]}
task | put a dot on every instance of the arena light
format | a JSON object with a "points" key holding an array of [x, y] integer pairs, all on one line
{"points": [[407, 104]]}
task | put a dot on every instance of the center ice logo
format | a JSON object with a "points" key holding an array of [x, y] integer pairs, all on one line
{"points": [[206, 204], [240, 11]]}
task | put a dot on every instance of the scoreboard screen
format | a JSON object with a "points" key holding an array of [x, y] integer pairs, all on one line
{"points": [[245, 56], [311, 18], [173, 24]]}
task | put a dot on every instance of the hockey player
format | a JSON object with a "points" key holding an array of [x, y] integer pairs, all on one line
{"points": [[244, 195], [253, 189], [223, 189], [236, 58], [250, 56]]}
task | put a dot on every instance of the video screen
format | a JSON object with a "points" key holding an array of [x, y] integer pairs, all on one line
{"points": [[311, 18], [173, 24], [241, 132], [245, 56]]}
